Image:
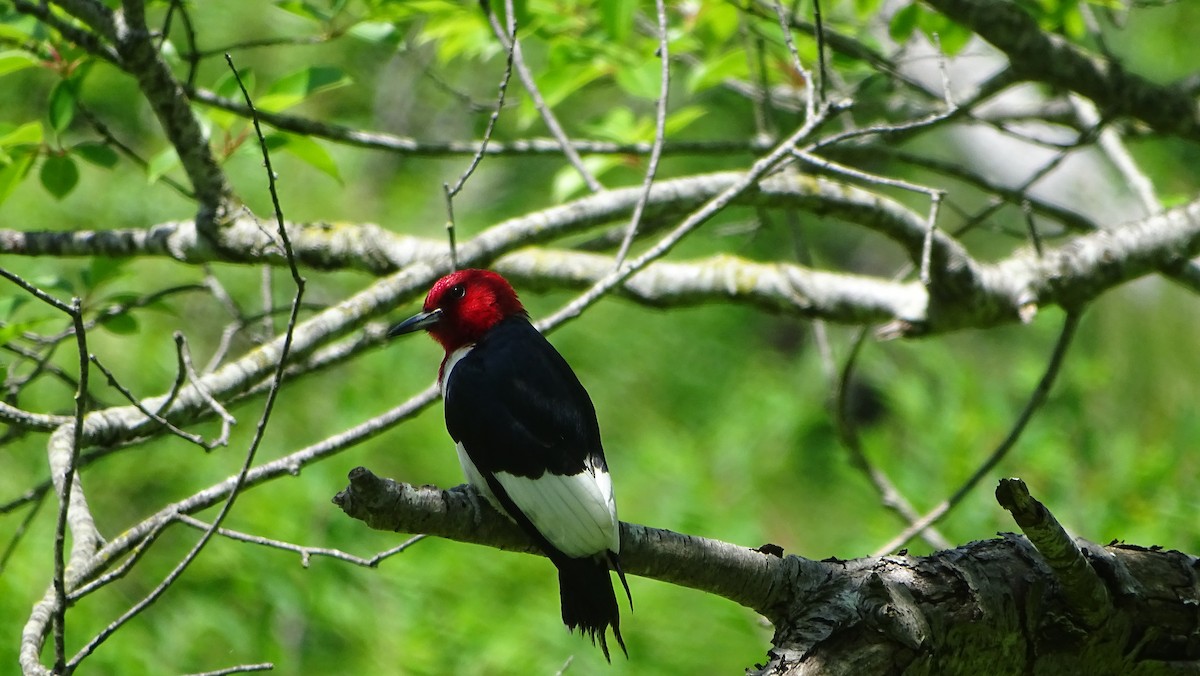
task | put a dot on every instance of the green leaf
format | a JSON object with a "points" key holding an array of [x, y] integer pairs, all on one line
{"points": [[618, 125], [568, 182], [10, 304], [616, 18], [29, 133], [642, 80], [953, 38], [375, 32], [99, 154], [120, 324], [680, 119], [904, 22], [864, 9], [10, 331], [712, 72], [62, 105], [306, 150], [55, 282], [161, 163], [14, 173], [304, 10], [227, 85], [102, 270], [13, 60], [59, 175], [292, 89]]}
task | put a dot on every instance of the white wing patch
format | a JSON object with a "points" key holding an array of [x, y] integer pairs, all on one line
{"points": [[576, 513]]}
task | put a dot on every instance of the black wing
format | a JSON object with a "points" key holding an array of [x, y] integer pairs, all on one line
{"points": [[517, 407]]}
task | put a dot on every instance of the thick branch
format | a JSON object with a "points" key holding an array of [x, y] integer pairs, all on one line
{"points": [[1042, 57], [142, 59], [992, 607], [746, 576]]}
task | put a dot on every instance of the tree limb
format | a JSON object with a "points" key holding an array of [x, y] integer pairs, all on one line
{"points": [[995, 606]]}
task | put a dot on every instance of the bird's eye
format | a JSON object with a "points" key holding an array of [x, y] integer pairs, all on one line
{"points": [[458, 291]]}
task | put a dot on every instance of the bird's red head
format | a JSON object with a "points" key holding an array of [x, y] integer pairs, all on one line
{"points": [[462, 306]]}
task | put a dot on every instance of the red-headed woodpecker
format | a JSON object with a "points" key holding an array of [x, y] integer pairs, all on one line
{"points": [[528, 438]]}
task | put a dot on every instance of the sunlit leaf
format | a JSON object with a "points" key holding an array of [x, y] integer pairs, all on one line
{"points": [[59, 175], [14, 172], [568, 182], [227, 85], [904, 22], [308, 151], [161, 163], [10, 331], [712, 72], [376, 32], [13, 60], [953, 38], [292, 89], [29, 133], [304, 10], [616, 18], [679, 120], [643, 80]]}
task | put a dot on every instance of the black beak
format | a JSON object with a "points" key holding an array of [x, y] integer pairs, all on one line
{"points": [[421, 320]]}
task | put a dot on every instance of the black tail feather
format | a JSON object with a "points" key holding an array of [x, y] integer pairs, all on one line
{"points": [[588, 601], [615, 560]]}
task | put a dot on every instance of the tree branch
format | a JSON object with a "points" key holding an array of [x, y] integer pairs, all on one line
{"points": [[745, 576], [1041, 57]]}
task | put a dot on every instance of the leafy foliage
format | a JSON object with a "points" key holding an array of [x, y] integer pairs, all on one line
{"points": [[715, 418]]}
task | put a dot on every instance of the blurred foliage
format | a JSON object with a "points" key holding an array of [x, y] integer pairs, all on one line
{"points": [[714, 418]]}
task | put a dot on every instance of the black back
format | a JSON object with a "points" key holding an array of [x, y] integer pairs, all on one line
{"points": [[517, 407]]}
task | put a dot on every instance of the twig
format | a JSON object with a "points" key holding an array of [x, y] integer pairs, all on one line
{"points": [[820, 31], [1082, 586], [535, 94], [239, 669], [227, 419], [129, 396], [260, 430], [660, 133], [69, 484], [404, 145], [38, 501], [926, 274], [801, 71], [695, 219], [752, 45], [452, 192], [1110, 143], [1036, 399], [889, 495], [306, 553], [1031, 225], [135, 537]]}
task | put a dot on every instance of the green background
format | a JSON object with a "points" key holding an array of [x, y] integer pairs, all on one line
{"points": [[714, 418]]}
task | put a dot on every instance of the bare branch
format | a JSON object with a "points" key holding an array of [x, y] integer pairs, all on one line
{"points": [[1036, 399], [1043, 57], [660, 133]]}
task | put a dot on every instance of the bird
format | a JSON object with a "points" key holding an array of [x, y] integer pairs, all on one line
{"points": [[528, 439]]}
